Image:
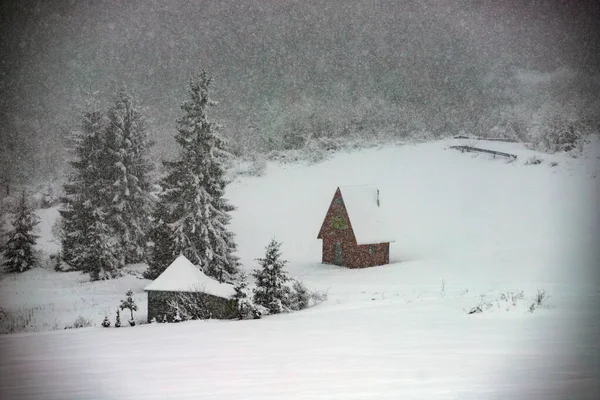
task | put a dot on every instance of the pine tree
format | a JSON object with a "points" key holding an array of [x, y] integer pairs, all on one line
{"points": [[89, 243], [162, 252], [118, 320], [194, 187], [81, 190], [126, 156], [243, 301], [271, 291], [106, 322], [102, 260], [18, 251]]}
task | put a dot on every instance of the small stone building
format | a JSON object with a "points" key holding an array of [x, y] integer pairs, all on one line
{"points": [[184, 277], [354, 231]]}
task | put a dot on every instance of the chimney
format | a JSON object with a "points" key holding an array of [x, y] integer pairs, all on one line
{"points": [[377, 197]]}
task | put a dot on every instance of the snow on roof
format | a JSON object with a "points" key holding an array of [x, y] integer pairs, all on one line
{"points": [[366, 217], [183, 276]]}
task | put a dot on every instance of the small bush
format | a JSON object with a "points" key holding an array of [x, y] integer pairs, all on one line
{"points": [[56, 228], [512, 297], [533, 160], [118, 319], [508, 300], [539, 301], [49, 197], [482, 305], [55, 259], [80, 322], [106, 322], [317, 297], [553, 164], [258, 167], [301, 296]]}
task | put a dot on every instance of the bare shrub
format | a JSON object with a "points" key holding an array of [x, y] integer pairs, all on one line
{"points": [[561, 134], [539, 301], [313, 153], [14, 322], [533, 160], [258, 167], [80, 322], [512, 297], [481, 305], [317, 296]]}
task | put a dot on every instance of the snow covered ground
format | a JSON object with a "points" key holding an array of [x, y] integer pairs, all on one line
{"points": [[468, 228]]}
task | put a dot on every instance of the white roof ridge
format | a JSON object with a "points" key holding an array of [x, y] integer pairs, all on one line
{"points": [[183, 276]]}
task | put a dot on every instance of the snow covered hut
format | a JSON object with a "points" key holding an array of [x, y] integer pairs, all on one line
{"points": [[354, 232], [184, 277]]}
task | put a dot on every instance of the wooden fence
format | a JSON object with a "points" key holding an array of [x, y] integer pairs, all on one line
{"points": [[477, 149]]}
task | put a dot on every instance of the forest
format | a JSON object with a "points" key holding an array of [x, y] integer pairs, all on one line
{"points": [[290, 72]]}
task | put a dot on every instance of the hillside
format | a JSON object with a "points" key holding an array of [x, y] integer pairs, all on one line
{"points": [[287, 70], [470, 230]]}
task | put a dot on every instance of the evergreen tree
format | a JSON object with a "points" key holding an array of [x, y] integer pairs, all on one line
{"points": [[106, 322], [18, 251], [102, 260], [194, 186], [118, 320], [162, 252], [243, 301], [271, 291], [88, 241], [81, 190], [126, 157]]}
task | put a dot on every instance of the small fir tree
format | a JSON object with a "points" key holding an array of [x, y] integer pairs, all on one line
{"points": [[118, 320], [18, 251], [271, 291], [106, 322], [57, 262], [177, 317], [129, 304], [243, 300]]}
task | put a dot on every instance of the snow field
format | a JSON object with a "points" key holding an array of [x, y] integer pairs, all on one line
{"points": [[466, 226]]}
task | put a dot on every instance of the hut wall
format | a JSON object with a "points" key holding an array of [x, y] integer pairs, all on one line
{"points": [[212, 306]]}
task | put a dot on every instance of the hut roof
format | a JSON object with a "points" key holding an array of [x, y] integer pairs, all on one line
{"points": [[367, 219], [183, 276]]}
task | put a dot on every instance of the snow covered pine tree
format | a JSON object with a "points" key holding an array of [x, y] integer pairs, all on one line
{"points": [[271, 290], [192, 205], [128, 165], [21, 239], [243, 300], [161, 252], [88, 243]]}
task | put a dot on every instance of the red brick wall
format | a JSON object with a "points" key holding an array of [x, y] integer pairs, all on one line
{"points": [[353, 256]]}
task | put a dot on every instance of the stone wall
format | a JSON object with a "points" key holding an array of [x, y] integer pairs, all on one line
{"points": [[210, 306]]}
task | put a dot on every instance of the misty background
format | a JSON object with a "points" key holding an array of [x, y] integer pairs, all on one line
{"points": [[288, 72]]}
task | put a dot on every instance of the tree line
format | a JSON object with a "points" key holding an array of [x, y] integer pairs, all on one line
{"points": [[114, 214]]}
